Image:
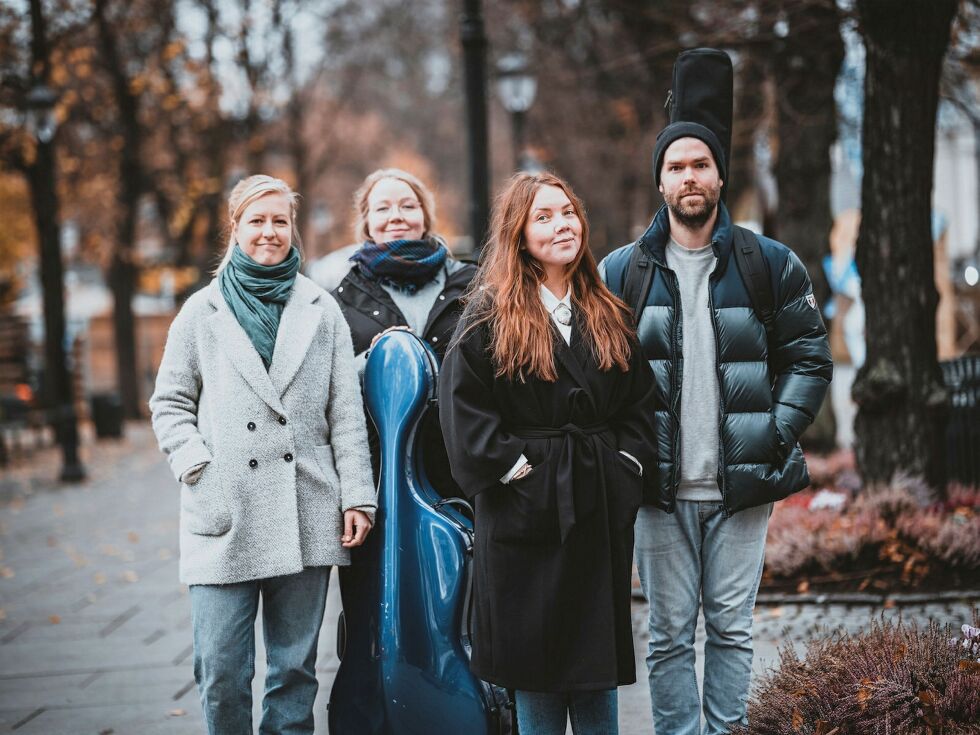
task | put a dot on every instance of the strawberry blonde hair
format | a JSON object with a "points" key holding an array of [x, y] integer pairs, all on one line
{"points": [[505, 295]]}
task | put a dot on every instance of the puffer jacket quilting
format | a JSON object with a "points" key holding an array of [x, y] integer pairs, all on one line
{"points": [[769, 389]]}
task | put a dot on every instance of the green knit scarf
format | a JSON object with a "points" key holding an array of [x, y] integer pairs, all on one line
{"points": [[257, 294]]}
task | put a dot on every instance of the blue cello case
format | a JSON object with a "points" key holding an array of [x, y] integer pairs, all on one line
{"points": [[403, 637]]}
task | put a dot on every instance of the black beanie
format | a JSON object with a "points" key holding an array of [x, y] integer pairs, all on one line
{"points": [[678, 130]]}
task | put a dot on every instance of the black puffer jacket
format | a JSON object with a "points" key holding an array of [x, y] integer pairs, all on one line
{"points": [[369, 309], [770, 390]]}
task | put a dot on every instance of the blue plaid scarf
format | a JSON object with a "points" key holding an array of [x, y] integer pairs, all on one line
{"points": [[403, 264]]}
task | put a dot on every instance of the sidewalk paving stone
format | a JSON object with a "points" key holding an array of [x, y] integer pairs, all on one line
{"points": [[95, 629]]}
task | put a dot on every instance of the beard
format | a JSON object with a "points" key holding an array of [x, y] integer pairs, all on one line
{"points": [[693, 215]]}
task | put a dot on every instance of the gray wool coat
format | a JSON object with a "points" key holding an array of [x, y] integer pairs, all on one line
{"points": [[286, 449]]}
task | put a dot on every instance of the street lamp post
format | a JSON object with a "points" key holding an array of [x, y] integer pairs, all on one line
{"points": [[474, 43], [42, 124], [516, 87]]}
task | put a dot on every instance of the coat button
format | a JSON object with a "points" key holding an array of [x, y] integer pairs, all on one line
{"points": [[442, 297], [376, 312], [340, 290], [288, 457], [282, 420], [253, 463], [250, 426], [435, 339]]}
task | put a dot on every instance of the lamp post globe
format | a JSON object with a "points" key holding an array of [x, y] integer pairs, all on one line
{"points": [[516, 87], [42, 123]]}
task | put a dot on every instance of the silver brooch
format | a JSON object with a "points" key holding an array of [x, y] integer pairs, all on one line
{"points": [[563, 315]]}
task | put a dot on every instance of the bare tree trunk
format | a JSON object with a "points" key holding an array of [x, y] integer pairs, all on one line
{"points": [[298, 148], [899, 390], [122, 271], [806, 67], [750, 113], [59, 396], [805, 73], [296, 111]]}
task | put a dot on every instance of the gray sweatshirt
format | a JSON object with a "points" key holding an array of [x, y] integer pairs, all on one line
{"points": [[699, 387]]}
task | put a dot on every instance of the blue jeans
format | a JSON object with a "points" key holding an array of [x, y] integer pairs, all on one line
{"points": [[547, 713], [224, 651], [697, 556]]}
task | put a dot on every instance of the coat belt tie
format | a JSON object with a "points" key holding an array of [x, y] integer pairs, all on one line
{"points": [[576, 500]]}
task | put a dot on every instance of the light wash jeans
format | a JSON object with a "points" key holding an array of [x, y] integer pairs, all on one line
{"points": [[224, 651], [695, 556], [547, 713]]}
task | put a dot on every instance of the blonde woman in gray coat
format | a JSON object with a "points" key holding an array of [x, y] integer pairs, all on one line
{"points": [[258, 408]]}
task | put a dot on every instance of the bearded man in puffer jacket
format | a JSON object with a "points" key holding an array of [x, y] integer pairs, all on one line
{"points": [[736, 400]]}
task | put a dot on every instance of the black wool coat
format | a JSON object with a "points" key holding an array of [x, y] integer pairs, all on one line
{"points": [[369, 310], [553, 550]]}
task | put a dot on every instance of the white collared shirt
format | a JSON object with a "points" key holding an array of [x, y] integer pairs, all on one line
{"points": [[551, 303]]}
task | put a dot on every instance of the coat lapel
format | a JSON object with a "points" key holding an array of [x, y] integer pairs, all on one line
{"points": [[231, 338], [569, 361], [297, 327]]}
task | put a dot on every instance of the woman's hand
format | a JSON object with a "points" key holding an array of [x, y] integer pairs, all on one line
{"points": [[356, 527], [398, 328], [524, 471]]}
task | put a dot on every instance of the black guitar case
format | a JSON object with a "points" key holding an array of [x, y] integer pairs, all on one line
{"points": [[703, 91]]}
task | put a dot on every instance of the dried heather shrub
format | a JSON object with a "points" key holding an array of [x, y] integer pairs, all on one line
{"points": [[953, 538], [800, 539], [905, 496], [891, 678], [962, 497]]}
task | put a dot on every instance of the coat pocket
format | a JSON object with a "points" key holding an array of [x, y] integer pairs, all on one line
{"points": [[624, 488], [526, 510], [203, 506], [324, 459], [777, 452]]}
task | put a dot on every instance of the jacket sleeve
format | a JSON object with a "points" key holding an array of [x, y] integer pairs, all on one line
{"points": [[635, 425], [799, 354], [348, 428], [174, 403], [480, 450]]}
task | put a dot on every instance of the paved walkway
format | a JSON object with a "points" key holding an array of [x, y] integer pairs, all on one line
{"points": [[95, 629]]}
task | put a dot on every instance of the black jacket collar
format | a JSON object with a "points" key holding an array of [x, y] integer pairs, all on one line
{"points": [[654, 240]]}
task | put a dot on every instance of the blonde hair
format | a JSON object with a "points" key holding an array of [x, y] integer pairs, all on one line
{"points": [[421, 191], [247, 191]]}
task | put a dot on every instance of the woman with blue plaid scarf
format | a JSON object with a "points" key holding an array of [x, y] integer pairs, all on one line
{"points": [[403, 277]]}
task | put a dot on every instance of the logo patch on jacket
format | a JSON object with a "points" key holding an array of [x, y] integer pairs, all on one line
{"points": [[811, 300]]}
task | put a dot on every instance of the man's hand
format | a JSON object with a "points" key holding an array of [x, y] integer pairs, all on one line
{"points": [[356, 528]]}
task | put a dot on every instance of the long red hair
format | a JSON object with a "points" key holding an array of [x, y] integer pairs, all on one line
{"points": [[505, 295]]}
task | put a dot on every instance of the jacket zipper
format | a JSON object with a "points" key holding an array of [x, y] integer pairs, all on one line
{"points": [[675, 378], [443, 301], [722, 487]]}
